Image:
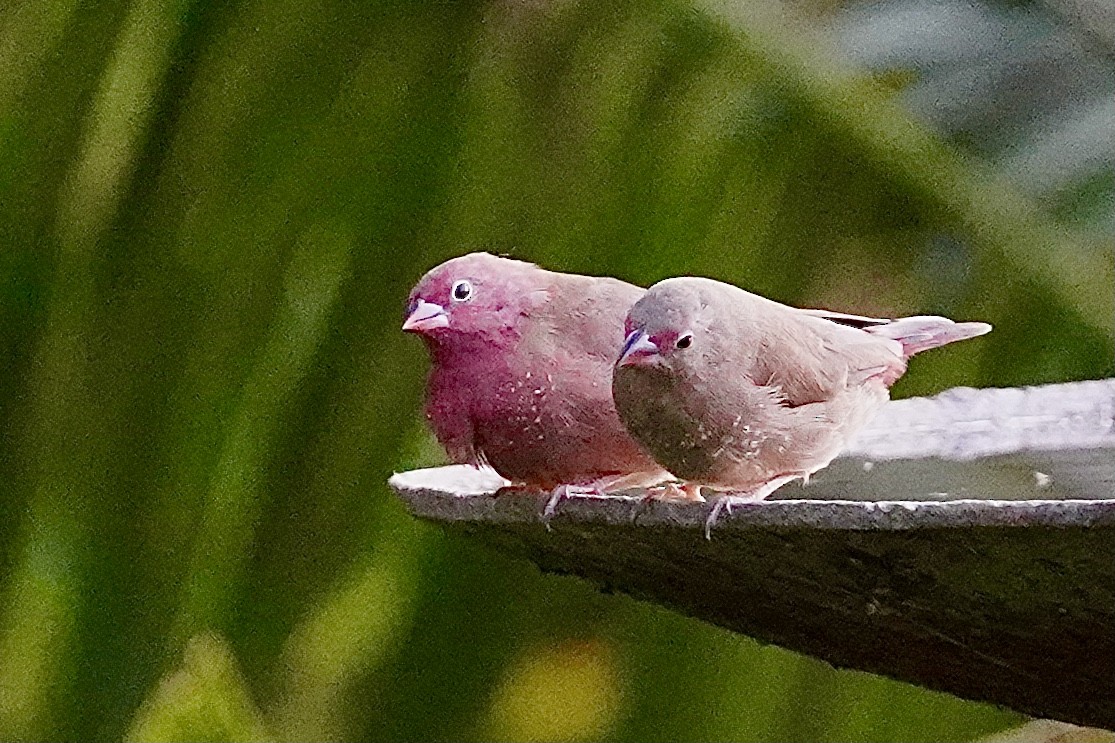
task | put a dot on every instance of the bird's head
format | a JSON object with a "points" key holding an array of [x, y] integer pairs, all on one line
{"points": [[475, 297], [666, 328]]}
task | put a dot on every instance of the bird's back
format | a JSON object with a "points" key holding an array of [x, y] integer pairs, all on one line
{"points": [[810, 358]]}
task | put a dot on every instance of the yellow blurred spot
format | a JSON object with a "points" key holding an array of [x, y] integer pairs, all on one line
{"points": [[565, 693], [206, 699]]}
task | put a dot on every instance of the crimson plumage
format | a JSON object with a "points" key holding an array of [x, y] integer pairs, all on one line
{"points": [[521, 372]]}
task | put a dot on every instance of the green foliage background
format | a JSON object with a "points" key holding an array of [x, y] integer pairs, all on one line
{"points": [[210, 214]]}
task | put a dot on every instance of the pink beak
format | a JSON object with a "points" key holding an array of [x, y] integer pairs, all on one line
{"points": [[424, 317], [637, 348]]}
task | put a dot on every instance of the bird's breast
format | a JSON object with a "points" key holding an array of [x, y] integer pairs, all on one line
{"points": [[730, 436]]}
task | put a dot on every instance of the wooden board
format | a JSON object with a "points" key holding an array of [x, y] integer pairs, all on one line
{"points": [[965, 542]]}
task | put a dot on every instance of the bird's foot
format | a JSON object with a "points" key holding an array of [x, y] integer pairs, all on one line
{"points": [[685, 492], [676, 491], [759, 494], [560, 494], [725, 503], [601, 486]]}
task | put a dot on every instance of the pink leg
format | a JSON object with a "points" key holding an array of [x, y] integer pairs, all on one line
{"points": [[685, 491], [562, 493], [609, 484], [725, 502]]}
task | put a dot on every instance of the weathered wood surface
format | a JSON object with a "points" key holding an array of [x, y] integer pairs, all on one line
{"points": [[965, 542]]}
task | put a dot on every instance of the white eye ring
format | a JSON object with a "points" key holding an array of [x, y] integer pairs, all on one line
{"points": [[462, 290], [685, 341]]}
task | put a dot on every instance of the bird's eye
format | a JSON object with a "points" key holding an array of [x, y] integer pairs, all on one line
{"points": [[462, 290], [685, 341]]}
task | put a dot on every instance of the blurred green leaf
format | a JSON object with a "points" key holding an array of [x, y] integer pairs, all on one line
{"points": [[204, 700], [311, 284]]}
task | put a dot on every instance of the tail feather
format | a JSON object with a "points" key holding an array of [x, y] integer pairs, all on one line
{"points": [[917, 334]]}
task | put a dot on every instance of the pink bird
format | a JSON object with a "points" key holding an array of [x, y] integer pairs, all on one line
{"points": [[735, 392], [521, 376]]}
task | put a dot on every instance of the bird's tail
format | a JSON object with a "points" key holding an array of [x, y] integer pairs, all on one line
{"points": [[917, 334]]}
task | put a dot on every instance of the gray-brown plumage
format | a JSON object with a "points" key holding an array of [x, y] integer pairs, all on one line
{"points": [[735, 392]]}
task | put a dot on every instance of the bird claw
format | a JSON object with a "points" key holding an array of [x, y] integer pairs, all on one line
{"points": [[643, 505], [724, 503], [670, 492], [559, 495], [759, 494], [684, 492]]}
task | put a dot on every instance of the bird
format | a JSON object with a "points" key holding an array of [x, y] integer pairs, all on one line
{"points": [[520, 376], [737, 393]]}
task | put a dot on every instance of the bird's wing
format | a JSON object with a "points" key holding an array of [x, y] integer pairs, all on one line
{"points": [[812, 359], [916, 334], [843, 318], [586, 313]]}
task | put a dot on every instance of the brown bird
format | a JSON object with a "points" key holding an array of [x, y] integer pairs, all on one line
{"points": [[522, 372], [735, 392]]}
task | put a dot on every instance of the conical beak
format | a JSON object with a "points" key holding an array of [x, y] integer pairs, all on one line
{"points": [[425, 316], [636, 348]]}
